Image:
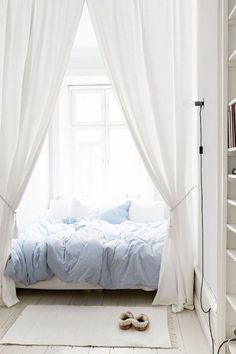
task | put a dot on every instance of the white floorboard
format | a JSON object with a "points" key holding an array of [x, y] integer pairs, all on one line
{"points": [[176, 351], [66, 350], [122, 351], [99, 351], [34, 350], [189, 335], [144, 351]]}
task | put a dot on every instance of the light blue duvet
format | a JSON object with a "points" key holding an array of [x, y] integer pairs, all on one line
{"points": [[122, 256]]}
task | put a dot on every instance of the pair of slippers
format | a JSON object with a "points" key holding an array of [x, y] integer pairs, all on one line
{"points": [[127, 320]]}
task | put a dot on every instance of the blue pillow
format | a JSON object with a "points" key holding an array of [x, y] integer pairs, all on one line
{"points": [[115, 215], [69, 220]]}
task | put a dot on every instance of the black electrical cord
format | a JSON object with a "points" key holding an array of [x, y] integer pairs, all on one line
{"points": [[208, 311], [224, 342]]}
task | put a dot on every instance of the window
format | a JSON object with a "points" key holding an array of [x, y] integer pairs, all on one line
{"points": [[104, 164], [105, 161]]}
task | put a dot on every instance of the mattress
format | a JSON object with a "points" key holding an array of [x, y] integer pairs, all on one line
{"points": [[94, 252]]}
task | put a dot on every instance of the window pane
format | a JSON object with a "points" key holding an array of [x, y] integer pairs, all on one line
{"points": [[87, 106], [127, 176], [88, 163], [115, 112]]}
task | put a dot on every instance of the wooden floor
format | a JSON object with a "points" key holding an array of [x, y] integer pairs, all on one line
{"points": [[189, 336]]}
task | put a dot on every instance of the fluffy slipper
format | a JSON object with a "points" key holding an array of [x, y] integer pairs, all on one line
{"points": [[141, 322], [126, 319]]}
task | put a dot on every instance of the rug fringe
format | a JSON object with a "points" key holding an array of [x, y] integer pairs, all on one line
{"points": [[172, 328], [10, 321]]}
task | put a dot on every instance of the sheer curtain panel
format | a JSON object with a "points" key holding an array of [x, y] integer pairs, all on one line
{"points": [[36, 38], [146, 46]]}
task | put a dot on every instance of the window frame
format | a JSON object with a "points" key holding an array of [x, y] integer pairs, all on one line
{"points": [[105, 123], [104, 89], [69, 88]]}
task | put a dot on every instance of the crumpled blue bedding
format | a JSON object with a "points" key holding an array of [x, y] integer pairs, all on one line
{"points": [[122, 256]]}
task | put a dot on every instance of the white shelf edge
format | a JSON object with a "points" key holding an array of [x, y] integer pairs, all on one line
{"points": [[231, 151], [232, 57], [232, 347], [232, 254], [231, 177], [232, 101], [232, 227], [232, 301], [232, 202], [232, 13]]}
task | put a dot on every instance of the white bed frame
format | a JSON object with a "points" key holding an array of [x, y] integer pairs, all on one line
{"points": [[56, 284]]}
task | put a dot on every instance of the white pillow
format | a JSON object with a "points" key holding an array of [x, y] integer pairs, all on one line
{"points": [[78, 209], [59, 208], [149, 212]]}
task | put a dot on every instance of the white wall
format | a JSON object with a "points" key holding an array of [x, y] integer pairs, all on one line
{"points": [[208, 82], [206, 75]]}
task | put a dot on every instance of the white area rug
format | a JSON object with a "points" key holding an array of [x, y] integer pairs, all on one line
{"points": [[87, 326]]}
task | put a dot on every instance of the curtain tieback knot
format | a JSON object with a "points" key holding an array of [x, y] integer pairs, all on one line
{"points": [[180, 202], [184, 197], [14, 229], [7, 204]]}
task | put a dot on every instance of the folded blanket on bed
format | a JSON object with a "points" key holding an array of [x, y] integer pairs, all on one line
{"points": [[126, 255]]}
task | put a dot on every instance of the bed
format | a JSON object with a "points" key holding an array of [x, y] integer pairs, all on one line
{"points": [[88, 253]]}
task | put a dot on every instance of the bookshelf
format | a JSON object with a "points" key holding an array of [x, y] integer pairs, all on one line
{"points": [[230, 234]]}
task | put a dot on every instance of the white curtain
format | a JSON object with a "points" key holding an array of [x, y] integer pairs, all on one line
{"points": [[146, 46], [36, 37]]}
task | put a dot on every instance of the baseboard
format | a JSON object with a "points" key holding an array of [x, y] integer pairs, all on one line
{"points": [[209, 301], [202, 319]]}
